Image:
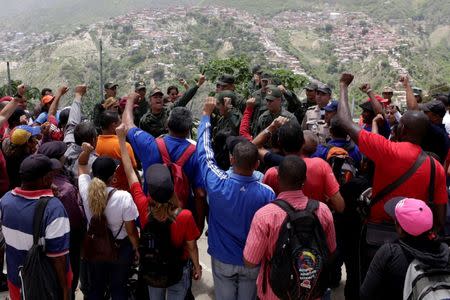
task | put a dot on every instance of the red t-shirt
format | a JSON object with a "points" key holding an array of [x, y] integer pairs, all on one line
{"points": [[320, 181], [182, 230], [392, 160]]}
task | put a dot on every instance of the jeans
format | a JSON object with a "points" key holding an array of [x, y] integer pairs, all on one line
{"points": [[234, 282], [98, 277], [176, 291]]}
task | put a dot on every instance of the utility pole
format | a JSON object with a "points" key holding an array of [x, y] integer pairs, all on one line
{"points": [[101, 67], [8, 72]]}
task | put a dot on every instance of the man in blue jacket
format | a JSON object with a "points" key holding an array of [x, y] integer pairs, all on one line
{"points": [[233, 200]]}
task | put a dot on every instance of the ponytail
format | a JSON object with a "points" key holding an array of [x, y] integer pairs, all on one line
{"points": [[164, 211], [97, 196]]}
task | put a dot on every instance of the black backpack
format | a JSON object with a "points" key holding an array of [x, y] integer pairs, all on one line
{"points": [[300, 255], [160, 263], [37, 274], [99, 244]]}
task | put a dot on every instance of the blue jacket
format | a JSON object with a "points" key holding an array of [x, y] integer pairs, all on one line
{"points": [[233, 200], [322, 151]]}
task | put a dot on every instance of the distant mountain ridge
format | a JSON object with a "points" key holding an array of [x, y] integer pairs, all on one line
{"points": [[62, 15]]}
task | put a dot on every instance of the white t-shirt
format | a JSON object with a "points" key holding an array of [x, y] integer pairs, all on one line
{"points": [[446, 122], [120, 208]]}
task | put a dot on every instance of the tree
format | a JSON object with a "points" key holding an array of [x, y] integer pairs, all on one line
{"points": [[288, 79]]}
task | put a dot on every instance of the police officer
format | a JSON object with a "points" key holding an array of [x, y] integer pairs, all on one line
{"points": [[229, 116], [314, 119], [226, 82], [274, 109]]}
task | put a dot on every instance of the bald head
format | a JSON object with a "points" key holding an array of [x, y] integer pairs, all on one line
{"points": [[311, 142], [413, 127]]}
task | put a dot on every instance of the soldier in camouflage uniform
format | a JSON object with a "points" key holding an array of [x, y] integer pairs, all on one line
{"points": [[229, 116], [274, 109], [226, 83], [260, 101], [141, 88], [314, 119], [155, 120], [255, 83]]}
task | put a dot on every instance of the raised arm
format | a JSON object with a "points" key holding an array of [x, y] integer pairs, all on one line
{"points": [[83, 159], [411, 102], [74, 114], [54, 106], [376, 105], [8, 110], [375, 123], [184, 100], [261, 139], [184, 83], [126, 160], [344, 116], [208, 166], [244, 128], [127, 116]]}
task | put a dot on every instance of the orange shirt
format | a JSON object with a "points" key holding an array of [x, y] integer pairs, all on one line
{"points": [[108, 145]]}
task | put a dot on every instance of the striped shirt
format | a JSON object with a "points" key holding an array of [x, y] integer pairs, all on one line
{"points": [[263, 235], [17, 209]]}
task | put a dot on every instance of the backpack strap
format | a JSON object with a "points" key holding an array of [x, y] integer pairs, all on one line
{"points": [[184, 157], [162, 148], [38, 218], [402, 179], [311, 207], [431, 184]]}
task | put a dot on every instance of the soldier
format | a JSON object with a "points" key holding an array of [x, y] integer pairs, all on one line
{"points": [[274, 109], [229, 116], [387, 94], [260, 103], [226, 83], [310, 91], [155, 120], [110, 92], [141, 88], [255, 83], [314, 119]]}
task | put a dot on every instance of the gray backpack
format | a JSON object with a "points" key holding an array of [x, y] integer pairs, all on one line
{"points": [[426, 283]]}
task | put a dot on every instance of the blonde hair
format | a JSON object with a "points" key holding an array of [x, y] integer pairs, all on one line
{"points": [[97, 196], [164, 211]]}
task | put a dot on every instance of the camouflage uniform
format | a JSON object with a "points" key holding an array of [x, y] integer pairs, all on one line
{"points": [[267, 118], [260, 108], [156, 125], [313, 121], [230, 122]]}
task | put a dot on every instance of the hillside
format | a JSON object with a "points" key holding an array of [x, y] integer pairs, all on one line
{"points": [[161, 45], [64, 16]]}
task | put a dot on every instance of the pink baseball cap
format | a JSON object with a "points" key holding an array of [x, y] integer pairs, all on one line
{"points": [[413, 215]]}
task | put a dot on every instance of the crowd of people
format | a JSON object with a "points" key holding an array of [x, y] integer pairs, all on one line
{"points": [[290, 190]]}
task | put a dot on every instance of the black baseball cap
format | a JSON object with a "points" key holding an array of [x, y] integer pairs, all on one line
{"points": [[266, 76], [435, 106], [311, 86], [159, 183], [36, 166], [226, 79], [367, 106], [139, 85], [104, 167], [54, 149], [324, 89], [110, 85]]}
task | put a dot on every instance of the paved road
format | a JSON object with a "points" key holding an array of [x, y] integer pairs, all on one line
{"points": [[203, 289]]}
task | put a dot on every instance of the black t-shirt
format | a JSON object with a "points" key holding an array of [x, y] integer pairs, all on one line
{"points": [[436, 140]]}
